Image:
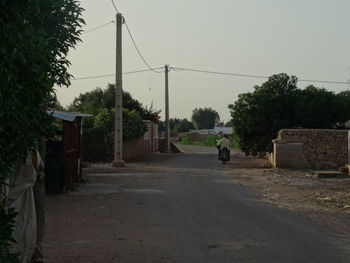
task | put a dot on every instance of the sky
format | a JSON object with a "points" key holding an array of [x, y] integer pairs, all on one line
{"points": [[309, 39]]}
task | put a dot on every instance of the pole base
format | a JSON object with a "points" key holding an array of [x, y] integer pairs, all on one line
{"points": [[118, 163]]}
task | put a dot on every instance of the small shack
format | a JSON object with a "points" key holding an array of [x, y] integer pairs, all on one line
{"points": [[63, 154]]}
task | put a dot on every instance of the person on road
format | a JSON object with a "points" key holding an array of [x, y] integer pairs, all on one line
{"points": [[224, 142]]}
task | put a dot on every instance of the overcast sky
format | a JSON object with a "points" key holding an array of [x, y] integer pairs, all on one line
{"points": [[306, 38]]}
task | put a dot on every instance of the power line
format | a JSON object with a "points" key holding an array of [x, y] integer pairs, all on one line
{"points": [[255, 76], [324, 81], [218, 73], [115, 6], [111, 75], [138, 50], [133, 41], [98, 27]]}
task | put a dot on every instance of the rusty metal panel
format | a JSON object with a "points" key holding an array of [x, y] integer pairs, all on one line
{"points": [[71, 135]]}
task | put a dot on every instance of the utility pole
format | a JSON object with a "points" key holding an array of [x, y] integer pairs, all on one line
{"points": [[118, 137], [167, 129]]}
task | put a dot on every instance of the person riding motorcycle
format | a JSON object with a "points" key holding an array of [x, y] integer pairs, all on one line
{"points": [[224, 142]]}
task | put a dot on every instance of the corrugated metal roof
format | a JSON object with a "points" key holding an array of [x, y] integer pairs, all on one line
{"points": [[66, 115]]}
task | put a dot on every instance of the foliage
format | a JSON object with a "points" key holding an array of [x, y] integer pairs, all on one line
{"points": [[319, 108], [204, 118], [176, 125], [211, 140], [101, 103], [35, 37], [151, 114], [183, 126], [93, 101], [133, 125], [278, 104], [104, 120], [53, 103], [7, 223], [186, 140]]}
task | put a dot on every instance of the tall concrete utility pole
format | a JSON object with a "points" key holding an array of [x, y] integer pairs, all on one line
{"points": [[167, 127], [118, 137]]}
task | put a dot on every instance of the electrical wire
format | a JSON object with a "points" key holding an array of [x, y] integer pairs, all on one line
{"points": [[111, 75], [114, 6], [133, 41], [98, 27], [255, 76], [138, 50], [219, 73]]}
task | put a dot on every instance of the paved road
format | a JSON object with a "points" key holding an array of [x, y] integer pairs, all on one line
{"points": [[187, 211]]}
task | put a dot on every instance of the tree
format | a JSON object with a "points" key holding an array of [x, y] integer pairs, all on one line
{"points": [[204, 118], [35, 37], [101, 103], [279, 104], [133, 125], [183, 126], [93, 101], [319, 108]]}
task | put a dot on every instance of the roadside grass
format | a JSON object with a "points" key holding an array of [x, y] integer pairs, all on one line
{"points": [[210, 141]]}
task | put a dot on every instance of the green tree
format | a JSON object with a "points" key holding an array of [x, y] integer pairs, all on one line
{"points": [[183, 126], [204, 118], [278, 103], [35, 37], [133, 125], [319, 108], [97, 99]]}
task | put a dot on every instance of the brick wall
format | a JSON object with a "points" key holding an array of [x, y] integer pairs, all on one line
{"points": [[310, 148], [135, 149]]}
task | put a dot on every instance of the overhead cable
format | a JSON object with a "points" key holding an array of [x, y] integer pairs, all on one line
{"points": [[255, 76], [219, 73], [114, 6], [98, 27], [138, 50], [111, 75]]}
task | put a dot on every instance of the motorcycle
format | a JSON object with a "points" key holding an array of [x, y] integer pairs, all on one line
{"points": [[225, 155]]}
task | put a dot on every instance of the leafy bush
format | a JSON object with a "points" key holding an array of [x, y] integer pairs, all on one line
{"points": [[204, 118], [35, 37], [211, 140], [186, 140], [133, 125]]}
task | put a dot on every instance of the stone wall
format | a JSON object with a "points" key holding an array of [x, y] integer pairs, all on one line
{"points": [[310, 148]]}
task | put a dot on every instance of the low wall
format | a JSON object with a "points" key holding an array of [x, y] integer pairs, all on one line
{"points": [[310, 148], [163, 148], [134, 149], [97, 148]]}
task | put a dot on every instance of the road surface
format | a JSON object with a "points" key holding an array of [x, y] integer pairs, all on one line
{"points": [[181, 209]]}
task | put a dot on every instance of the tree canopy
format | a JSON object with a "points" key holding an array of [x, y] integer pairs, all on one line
{"points": [[183, 126], [101, 103], [277, 104], [35, 37], [97, 99], [204, 118]]}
